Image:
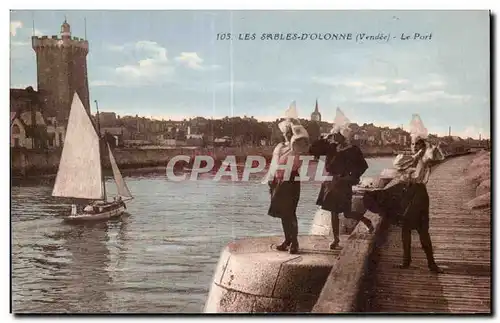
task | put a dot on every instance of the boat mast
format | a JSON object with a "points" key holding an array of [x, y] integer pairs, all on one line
{"points": [[100, 150]]}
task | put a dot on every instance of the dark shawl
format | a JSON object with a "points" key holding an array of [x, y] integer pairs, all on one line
{"points": [[346, 166], [405, 204], [323, 147], [285, 195]]}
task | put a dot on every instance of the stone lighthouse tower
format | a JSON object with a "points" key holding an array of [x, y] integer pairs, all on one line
{"points": [[62, 71]]}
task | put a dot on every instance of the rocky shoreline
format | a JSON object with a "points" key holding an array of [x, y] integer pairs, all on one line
{"points": [[478, 176]]}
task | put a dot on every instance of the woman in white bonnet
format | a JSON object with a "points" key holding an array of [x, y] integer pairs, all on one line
{"points": [[285, 192], [405, 200]]}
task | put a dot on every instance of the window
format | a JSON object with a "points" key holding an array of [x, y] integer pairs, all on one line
{"points": [[16, 142]]}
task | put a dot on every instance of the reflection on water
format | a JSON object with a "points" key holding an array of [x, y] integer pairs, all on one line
{"points": [[158, 258]]}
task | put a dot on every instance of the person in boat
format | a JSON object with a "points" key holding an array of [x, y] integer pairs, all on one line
{"points": [[345, 163], [405, 200], [121, 202], [284, 187]]}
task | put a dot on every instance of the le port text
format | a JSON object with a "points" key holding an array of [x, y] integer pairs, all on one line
{"points": [[355, 37]]}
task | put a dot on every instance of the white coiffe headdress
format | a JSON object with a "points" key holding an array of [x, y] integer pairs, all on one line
{"points": [[290, 115], [341, 124], [291, 122], [417, 129], [299, 141]]}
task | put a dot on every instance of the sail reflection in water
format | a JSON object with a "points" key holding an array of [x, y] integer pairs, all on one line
{"points": [[89, 278], [67, 270]]}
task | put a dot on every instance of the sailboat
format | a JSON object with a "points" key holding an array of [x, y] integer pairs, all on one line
{"points": [[80, 174]]}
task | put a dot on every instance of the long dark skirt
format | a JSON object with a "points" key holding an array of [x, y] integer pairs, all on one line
{"points": [[336, 196], [285, 197], [406, 205]]}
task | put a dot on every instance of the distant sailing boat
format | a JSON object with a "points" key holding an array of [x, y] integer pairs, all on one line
{"points": [[80, 173]]}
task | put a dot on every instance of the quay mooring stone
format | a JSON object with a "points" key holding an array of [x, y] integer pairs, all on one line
{"points": [[252, 276]]}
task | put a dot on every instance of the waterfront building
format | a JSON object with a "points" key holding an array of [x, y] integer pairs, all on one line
{"points": [[108, 119]]}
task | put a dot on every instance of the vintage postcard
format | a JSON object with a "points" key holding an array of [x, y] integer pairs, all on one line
{"points": [[246, 161]]}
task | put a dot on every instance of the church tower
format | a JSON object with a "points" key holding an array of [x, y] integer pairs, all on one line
{"points": [[316, 116], [62, 71]]}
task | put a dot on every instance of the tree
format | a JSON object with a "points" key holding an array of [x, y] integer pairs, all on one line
{"points": [[313, 130], [276, 136]]}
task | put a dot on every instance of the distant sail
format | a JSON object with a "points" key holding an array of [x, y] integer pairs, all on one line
{"points": [[79, 174], [121, 186]]}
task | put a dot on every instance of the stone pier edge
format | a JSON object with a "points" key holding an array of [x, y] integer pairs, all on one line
{"points": [[218, 282], [341, 289]]}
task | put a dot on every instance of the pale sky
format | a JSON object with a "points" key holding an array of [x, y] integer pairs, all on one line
{"points": [[169, 64]]}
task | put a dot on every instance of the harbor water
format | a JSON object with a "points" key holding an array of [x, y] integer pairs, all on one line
{"points": [[159, 258]]}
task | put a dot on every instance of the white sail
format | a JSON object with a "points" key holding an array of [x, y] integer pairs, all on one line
{"points": [[80, 173], [121, 186]]}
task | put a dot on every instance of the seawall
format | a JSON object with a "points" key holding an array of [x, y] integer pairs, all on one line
{"points": [[26, 162], [31, 162]]}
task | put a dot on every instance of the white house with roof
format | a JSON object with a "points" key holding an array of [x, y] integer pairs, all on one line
{"points": [[23, 133], [18, 137]]}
